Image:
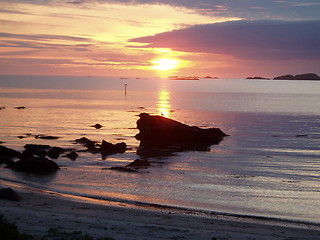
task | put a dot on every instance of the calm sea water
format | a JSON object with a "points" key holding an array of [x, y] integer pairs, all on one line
{"points": [[269, 165]]}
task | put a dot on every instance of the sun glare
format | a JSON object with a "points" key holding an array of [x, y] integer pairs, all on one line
{"points": [[165, 64]]}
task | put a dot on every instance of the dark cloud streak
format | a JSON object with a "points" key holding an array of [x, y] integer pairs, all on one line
{"points": [[245, 39], [245, 9], [40, 37]]}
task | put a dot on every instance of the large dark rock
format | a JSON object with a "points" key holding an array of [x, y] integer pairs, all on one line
{"points": [[162, 137], [158, 129], [37, 165], [9, 194]]}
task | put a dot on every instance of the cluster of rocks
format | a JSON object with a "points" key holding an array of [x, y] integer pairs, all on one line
{"points": [[31, 160], [159, 136], [37, 158], [38, 136], [105, 148]]}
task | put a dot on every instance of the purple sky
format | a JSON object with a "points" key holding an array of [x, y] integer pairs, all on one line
{"points": [[227, 38]]}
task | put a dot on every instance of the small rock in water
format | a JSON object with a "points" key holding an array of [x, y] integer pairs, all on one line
{"points": [[97, 126], [72, 155], [21, 137], [83, 140], [55, 152], [139, 163], [41, 136], [302, 135]]}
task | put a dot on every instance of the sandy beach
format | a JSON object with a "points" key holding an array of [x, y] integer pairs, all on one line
{"points": [[38, 212]]}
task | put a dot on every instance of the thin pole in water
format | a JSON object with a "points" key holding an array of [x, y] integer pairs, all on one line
{"points": [[125, 89]]}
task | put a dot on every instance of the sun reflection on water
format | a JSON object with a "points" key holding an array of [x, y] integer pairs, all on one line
{"points": [[164, 107]]}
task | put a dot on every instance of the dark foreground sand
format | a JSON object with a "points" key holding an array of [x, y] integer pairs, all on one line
{"points": [[36, 213]]}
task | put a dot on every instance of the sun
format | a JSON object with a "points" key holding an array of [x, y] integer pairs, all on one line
{"points": [[165, 64]]}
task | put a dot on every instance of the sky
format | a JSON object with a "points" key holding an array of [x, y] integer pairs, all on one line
{"points": [[141, 38]]}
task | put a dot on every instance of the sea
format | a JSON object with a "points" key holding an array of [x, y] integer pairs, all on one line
{"points": [[268, 166]]}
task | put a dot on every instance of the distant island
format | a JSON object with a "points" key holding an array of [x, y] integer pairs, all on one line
{"points": [[210, 77], [184, 78], [306, 76], [258, 78], [190, 77]]}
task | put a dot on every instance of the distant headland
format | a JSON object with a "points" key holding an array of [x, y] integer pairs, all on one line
{"points": [[306, 76]]}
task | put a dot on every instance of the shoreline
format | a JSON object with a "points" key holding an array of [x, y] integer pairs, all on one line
{"points": [[40, 211], [23, 187]]}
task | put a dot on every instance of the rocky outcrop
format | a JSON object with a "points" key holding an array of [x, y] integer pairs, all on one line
{"points": [[161, 137], [306, 76], [158, 129]]}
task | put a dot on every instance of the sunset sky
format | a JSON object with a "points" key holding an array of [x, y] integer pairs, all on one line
{"points": [[141, 38]]}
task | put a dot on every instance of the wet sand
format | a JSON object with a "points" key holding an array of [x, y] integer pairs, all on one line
{"points": [[40, 211]]}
